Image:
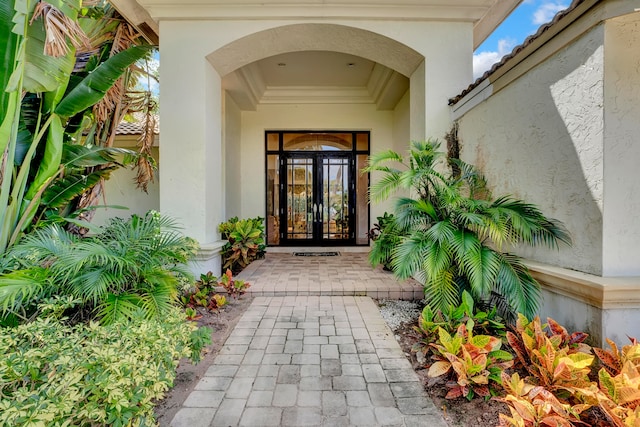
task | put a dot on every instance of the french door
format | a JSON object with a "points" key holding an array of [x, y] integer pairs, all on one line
{"points": [[319, 199], [316, 192]]}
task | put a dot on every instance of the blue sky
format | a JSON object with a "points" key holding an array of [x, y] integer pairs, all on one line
{"points": [[522, 22]]}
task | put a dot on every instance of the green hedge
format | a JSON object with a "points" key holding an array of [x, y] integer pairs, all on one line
{"points": [[52, 374]]}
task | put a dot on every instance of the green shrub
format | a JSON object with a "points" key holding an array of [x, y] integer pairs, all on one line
{"points": [[453, 233], [386, 235], [132, 264], [54, 374]]}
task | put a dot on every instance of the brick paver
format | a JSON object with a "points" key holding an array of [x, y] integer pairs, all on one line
{"points": [[310, 361], [282, 274]]}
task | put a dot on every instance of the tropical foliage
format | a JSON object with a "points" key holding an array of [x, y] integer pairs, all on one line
{"points": [[533, 406], [132, 266], [55, 374], [560, 387], [555, 359], [203, 294], [61, 68], [452, 232], [430, 321], [386, 236], [476, 361], [235, 288], [245, 242]]}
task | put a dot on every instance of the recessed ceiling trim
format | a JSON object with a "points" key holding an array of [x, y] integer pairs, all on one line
{"points": [[378, 80], [252, 81], [316, 95]]}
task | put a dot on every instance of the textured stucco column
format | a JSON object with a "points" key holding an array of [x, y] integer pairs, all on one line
{"points": [[191, 185], [446, 71], [620, 225]]}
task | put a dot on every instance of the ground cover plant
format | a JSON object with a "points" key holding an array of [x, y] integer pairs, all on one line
{"points": [[452, 232], [92, 333], [53, 373], [557, 380]]}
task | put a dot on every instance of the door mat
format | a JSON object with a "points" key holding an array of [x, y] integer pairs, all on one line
{"points": [[316, 253]]}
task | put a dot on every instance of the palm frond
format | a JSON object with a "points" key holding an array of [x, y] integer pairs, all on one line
{"points": [[63, 190], [412, 213], [42, 245], [515, 283], [441, 291], [528, 223], [437, 258], [377, 160], [118, 307], [441, 232], [382, 189], [81, 156], [160, 295], [482, 267], [22, 288], [94, 284], [408, 255]]}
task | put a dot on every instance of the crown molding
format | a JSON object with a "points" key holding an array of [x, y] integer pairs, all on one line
{"points": [[460, 10], [316, 95]]}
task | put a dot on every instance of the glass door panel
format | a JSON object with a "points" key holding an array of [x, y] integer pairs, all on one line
{"points": [[300, 197], [273, 199], [336, 200], [316, 194]]}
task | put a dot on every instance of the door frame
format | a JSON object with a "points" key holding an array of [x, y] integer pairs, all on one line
{"points": [[317, 198], [356, 211]]}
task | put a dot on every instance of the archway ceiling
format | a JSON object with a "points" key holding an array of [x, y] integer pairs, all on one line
{"points": [[315, 77]]}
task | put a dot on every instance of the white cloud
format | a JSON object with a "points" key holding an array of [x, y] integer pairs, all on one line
{"points": [[482, 61], [547, 11]]}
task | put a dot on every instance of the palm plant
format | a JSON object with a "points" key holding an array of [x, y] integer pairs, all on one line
{"points": [[386, 235], [47, 96], [132, 265], [452, 232]]}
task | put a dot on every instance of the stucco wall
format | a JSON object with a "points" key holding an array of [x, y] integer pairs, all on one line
{"points": [[621, 228], [191, 114], [401, 124], [304, 117], [120, 190], [541, 139], [232, 158]]}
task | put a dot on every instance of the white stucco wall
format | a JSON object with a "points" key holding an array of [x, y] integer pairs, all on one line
{"points": [[120, 190], [232, 164], [304, 117], [401, 124], [621, 228], [199, 184], [541, 139]]}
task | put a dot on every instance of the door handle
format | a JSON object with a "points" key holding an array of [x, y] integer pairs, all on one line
{"points": [[315, 212], [319, 212]]}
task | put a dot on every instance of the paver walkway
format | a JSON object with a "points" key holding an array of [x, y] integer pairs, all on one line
{"points": [[281, 274], [310, 361]]}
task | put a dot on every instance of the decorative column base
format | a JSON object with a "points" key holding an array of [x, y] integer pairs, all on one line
{"points": [[604, 307], [209, 258]]}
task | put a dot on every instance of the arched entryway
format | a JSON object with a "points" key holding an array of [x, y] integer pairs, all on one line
{"points": [[345, 85], [236, 83]]}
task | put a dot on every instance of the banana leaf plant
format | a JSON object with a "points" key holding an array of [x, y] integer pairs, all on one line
{"points": [[42, 101]]}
